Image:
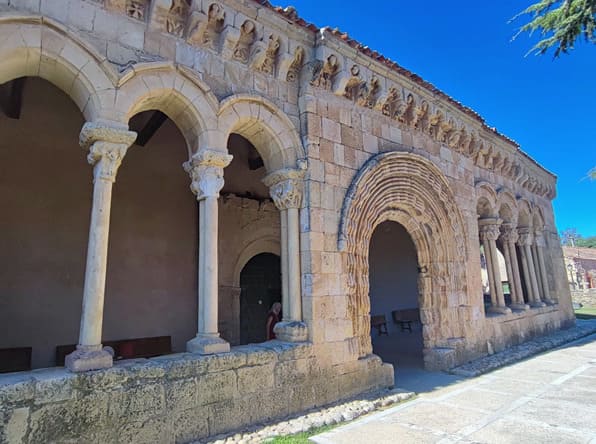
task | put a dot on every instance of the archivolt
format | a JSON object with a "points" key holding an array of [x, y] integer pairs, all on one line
{"points": [[410, 190]]}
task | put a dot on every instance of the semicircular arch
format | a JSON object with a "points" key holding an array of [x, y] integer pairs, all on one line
{"points": [[411, 190], [264, 125], [63, 59], [264, 244], [176, 92]]}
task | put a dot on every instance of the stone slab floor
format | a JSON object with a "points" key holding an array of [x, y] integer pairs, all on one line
{"points": [[549, 398]]}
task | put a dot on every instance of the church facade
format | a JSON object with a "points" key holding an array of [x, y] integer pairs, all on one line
{"points": [[170, 169]]}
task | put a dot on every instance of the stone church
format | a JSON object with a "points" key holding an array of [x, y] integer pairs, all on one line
{"points": [[170, 169]]}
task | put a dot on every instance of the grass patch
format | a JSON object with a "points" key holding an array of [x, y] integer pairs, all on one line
{"points": [[586, 313], [300, 438]]}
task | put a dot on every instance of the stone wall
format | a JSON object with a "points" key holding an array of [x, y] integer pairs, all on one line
{"points": [[179, 398], [587, 298]]}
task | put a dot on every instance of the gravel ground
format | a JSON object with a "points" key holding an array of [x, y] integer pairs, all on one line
{"points": [[334, 414]]}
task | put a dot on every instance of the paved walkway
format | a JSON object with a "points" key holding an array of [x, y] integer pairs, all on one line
{"points": [[550, 398]]}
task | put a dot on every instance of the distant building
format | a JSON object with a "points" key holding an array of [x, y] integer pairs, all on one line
{"points": [[581, 267]]}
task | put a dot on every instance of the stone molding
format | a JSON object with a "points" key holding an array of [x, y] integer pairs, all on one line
{"points": [[206, 172]]}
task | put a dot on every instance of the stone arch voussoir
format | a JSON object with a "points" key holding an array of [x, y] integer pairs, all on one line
{"points": [[176, 92], [267, 127], [410, 190], [40, 47]]}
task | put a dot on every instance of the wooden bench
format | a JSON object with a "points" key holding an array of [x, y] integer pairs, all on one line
{"points": [[405, 318], [379, 322], [16, 359], [126, 348]]}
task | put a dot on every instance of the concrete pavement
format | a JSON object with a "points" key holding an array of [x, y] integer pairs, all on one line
{"points": [[550, 398]]}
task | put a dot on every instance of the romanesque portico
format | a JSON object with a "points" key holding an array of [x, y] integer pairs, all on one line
{"points": [[219, 132]]}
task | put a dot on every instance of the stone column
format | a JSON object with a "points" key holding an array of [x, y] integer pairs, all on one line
{"points": [[525, 242], [286, 189], [107, 146], [539, 246], [206, 171], [508, 238], [489, 233]]}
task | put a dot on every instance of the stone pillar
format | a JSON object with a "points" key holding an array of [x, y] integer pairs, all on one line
{"points": [[508, 238], [525, 242], [286, 189], [489, 233], [206, 171], [539, 246], [107, 146]]}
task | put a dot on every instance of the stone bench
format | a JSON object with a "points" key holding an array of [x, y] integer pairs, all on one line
{"points": [[380, 323], [405, 318]]}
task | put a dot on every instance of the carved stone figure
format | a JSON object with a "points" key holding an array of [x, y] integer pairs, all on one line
{"points": [[355, 84], [445, 129], [368, 94], [455, 136], [245, 41], [434, 124], [390, 106], [296, 65], [324, 78], [270, 60], [421, 117], [176, 18], [407, 113], [215, 24], [136, 9]]}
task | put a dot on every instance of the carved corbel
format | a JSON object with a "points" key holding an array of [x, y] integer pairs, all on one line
{"points": [[406, 114], [368, 95], [421, 117], [266, 61], [325, 73], [242, 48], [291, 65], [390, 104]]}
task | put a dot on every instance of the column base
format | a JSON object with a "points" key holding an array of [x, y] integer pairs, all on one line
{"points": [[207, 345], [521, 307], [291, 331], [537, 304], [499, 310], [84, 359], [549, 302]]}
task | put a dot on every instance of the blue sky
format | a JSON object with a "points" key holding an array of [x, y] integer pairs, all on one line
{"points": [[464, 48]]}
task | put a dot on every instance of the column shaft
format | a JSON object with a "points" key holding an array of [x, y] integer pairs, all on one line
{"points": [[294, 276], [95, 271], [543, 274], [285, 292], [491, 277], [527, 279], [532, 276], [519, 294]]}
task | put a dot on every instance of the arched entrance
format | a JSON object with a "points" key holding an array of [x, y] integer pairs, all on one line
{"points": [[411, 190], [396, 332], [260, 281]]}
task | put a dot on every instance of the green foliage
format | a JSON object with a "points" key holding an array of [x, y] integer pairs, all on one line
{"points": [[586, 242], [560, 23], [571, 238], [299, 438]]}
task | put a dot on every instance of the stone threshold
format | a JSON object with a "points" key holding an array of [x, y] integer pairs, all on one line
{"points": [[332, 414], [533, 347]]}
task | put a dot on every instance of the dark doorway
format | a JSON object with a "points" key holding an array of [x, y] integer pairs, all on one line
{"points": [[396, 331], [260, 281]]}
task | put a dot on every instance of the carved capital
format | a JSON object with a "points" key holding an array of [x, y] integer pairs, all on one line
{"points": [[206, 172], [526, 237], [489, 228], [286, 186], [107, 146], [509, 233], [539, 238]]}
